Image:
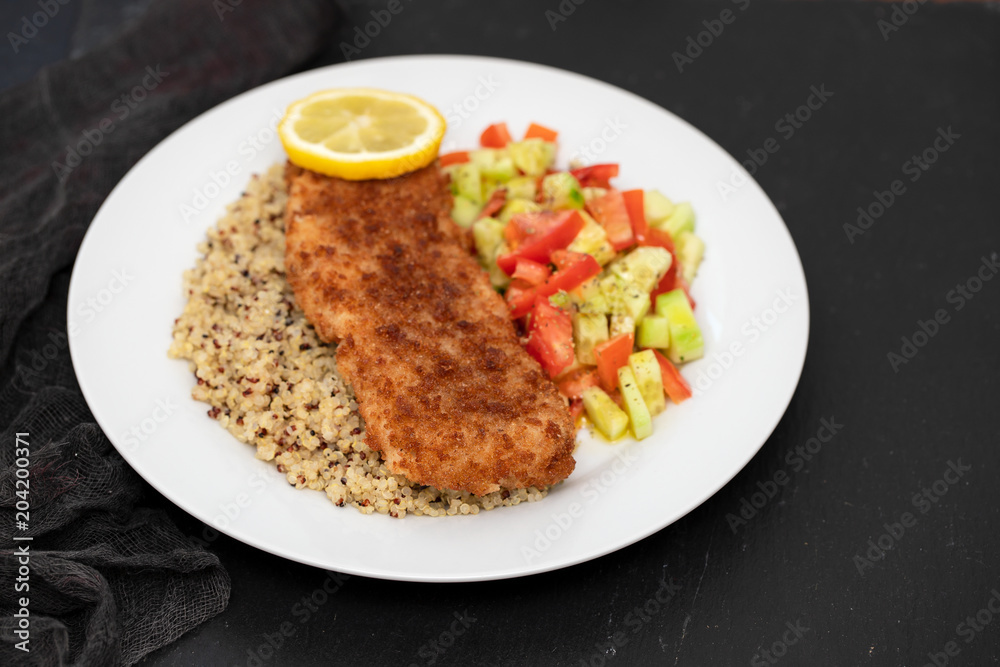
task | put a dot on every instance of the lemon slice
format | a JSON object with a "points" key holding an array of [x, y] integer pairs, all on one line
{"points": [[361, 133]]}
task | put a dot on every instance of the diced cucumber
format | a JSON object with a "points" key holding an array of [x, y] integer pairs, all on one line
{"points": [[643, 267], [467, 181], [593, 193], [686, 342], [596, 304], [522, 187], [658, 207], [604, 413], [636, 302], [501, 171], [515, 206], [646, 369], [624, 298], [464, 211], [484, 157], [681, 220], [639, 419], [561, 299], [654, 331], [621, 324], [532, 156], [589, 329], [561, 191], [690, 251], [593, 240], [488, 235]]}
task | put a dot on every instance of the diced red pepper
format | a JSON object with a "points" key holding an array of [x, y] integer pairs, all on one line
{"points": [[674, 383], [536, 131], [636, 206], [595, 176], [531, 272], [550, 338], [495, 136], [564, 227], [576, 409], [612, 355], [458, 157], [495, 203], [574, 384], [611, 213]]}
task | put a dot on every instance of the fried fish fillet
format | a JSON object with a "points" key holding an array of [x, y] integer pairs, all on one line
{"points": [[447, 392]]}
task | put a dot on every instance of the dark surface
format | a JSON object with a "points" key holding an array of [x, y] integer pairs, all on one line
{"points": [[794, 561]]}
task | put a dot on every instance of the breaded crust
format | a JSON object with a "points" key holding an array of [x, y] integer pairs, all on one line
{"points": [[447, 392]]}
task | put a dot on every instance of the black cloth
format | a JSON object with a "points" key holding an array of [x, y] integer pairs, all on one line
{"points": [[109, 579]]}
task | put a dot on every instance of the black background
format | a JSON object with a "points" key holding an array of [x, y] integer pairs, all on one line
{"points": [[795, 561]]}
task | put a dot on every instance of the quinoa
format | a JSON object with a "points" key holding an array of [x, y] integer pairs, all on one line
{"points": [[270, 380]]}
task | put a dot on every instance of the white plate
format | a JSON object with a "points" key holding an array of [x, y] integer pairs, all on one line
{"points": [[126, 291]]}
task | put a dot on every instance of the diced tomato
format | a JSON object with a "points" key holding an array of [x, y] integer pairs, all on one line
{"points": [[538, 247], [576, 409], [573, 269], [667, 283], [659, 238], [495, 136], [550, 338], [522, 225], [536, 131], [495, 203], [595, 176], [684, 286], [576, 268], [520, 297], [458, 157], [635, 205], [611, 213], [573, 385], [612, 355], [530, 271], [674, 383]]}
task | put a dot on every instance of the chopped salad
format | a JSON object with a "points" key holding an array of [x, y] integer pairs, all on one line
{"points": [[596, 278]]}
